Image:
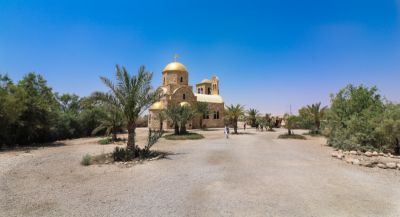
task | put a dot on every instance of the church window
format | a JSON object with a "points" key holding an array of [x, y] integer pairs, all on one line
{"points": [[217, 114], [208, 91], [164, 81], [184, 96], [198, 90], [181, 79]]}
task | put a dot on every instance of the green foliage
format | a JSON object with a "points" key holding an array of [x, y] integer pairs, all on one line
{"points": [[201, 109], [128, 154], [112, 122], [179, 116], [132, 94], [253, 113], [291, 136], [173, 114], [30, 113], [186, 136], [354, 119], [86, 160], [232, 113]]}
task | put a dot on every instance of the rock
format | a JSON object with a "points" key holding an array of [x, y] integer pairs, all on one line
{"points": [[381, 165], [340, 156], [391, 165], [398, 166], [353, 152], [381, 154], [385, 155], [334, 154], [374, 153], [356, 162], [349, 160], [359, 152], [340, 150], [368, 154], [367, 164], [346, 152]]}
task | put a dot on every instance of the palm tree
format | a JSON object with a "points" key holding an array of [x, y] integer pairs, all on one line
{"points": [[186, 113], [233, 112], [112, 122], [161, 118], [132, 94], [317, 113], [290, 122], [252, 116], [201, 108], [173, 114]]}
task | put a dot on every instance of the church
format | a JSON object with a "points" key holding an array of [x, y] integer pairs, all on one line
{"points": [[176, 90]]}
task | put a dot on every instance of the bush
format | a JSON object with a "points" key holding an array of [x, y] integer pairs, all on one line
{"points": [[123, 154], [354, 116], [291, 136], [186, 136], [86, 160]]}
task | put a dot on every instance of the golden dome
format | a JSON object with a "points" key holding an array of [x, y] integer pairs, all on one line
{"points": [[184, 104], [175, 66], [157, 106]]}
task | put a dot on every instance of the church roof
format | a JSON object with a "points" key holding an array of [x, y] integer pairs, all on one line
{"points": [[175, 66], [209, 98], [205, 81]]}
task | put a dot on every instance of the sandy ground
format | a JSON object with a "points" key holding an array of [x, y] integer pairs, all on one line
{"points": [[247, 175]]}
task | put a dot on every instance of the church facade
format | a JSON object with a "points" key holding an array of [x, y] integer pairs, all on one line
{"points": [[176, 90]]}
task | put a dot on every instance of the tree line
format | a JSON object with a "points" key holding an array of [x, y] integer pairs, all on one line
{"points": [[32, 113]]}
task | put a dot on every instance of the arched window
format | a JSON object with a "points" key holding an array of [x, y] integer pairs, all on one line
{"points": [[181, 79], [184, 96], [217, 114], [208, 91], [164, 81], [198, 90]]}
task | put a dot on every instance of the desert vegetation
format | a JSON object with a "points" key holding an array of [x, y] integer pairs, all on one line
{"points": [[180, 115]]}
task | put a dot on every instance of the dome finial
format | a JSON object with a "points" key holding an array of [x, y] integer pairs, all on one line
{"points": [[176, 56]]}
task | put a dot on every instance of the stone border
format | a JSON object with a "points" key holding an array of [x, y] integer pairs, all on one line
{"points": [[368, 159]]}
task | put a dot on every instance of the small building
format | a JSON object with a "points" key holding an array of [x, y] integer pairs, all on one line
{"points": [[176, 90]]}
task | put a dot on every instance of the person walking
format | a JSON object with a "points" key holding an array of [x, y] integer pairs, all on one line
{"points": [[226, 131], [244, 126]]}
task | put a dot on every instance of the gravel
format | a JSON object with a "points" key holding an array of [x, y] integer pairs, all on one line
{"points": [[253, 174]]}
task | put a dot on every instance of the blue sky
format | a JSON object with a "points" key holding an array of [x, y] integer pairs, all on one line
{"points": [[268, 54]]}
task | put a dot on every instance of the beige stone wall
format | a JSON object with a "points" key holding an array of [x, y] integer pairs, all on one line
{"points": [[177, 95], [204, 87], [174, 77]]}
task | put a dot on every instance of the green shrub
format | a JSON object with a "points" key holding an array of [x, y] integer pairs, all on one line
{"points": [[86, 160], [186, 136], [122, 154], [291, 136], [353, 118], [105, 141]]}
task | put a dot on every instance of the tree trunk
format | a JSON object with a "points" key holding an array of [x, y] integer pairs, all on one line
{"points": [[114, 136], [397, 148], [201, 122], [183, 129], [235, 127], [318, 125], [131, 136], [176, 128], [289, 132]]}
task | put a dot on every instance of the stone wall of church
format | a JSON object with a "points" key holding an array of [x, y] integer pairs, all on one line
{"points": [[175, 77]]}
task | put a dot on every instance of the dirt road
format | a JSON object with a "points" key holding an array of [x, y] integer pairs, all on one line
{"points": [[247, 175]]}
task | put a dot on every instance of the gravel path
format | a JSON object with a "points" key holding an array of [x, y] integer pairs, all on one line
{"points": [[247, 175]]}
